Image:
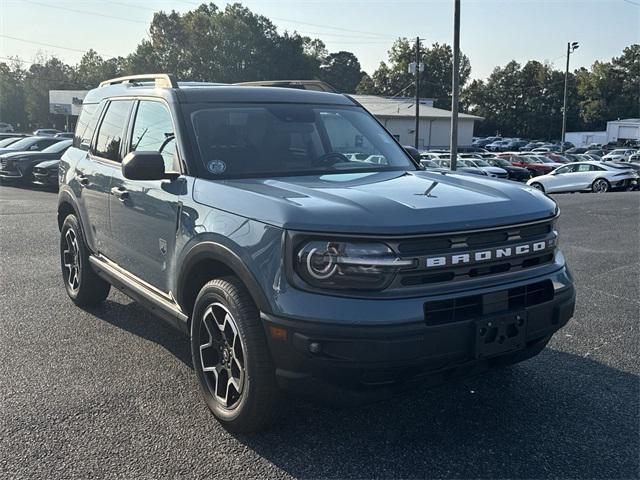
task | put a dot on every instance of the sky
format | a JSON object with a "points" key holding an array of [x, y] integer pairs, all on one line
{"points": [[493, 32]]}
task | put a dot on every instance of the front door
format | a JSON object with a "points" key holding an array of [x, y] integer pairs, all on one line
{"points": [[144, 214]]}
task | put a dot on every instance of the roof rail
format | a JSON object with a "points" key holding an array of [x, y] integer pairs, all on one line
{"points": [[317, 85], [165, 80]]}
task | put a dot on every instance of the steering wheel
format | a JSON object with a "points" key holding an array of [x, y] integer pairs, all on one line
{"points": [[329, 159]]}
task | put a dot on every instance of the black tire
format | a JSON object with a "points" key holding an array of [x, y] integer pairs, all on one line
{"points": [[600, 185], [254, 408], [87, 288], [538, 186]]}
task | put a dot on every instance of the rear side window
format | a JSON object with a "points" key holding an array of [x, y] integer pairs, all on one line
{"points": [[86, 125], [112, 130], [42, 144], [153, 132]]}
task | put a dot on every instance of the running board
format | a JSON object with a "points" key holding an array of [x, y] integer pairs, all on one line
{"points": [[161, 305]]}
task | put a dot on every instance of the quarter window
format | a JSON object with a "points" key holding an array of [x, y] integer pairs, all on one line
{"points": [[111, 130], [86, 125], [153, 132]]}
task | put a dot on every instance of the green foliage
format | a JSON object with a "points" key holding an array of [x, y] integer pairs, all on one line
{"points": [[342, 71], [435, 82]]}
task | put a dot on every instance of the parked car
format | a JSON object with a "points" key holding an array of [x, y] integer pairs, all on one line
{"points": [[486, 167], [64, 135], [5, 142], [498, 146], [516, 144], [443, 160], [286, 264], [46, 132], [518, 174], [635, 157], [576, 150], [18, 165], [599, 152], [46, 173], [6, 127], [532, 163], [619, 154], [12, 135], [582, 176], [30, 144]]}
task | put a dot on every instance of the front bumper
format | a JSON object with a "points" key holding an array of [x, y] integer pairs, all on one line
{"points": [[349, 363], [10, 174], [46, 178]]}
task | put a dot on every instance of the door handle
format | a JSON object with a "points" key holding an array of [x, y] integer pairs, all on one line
{"points": [[120, 193], [82, 179]]}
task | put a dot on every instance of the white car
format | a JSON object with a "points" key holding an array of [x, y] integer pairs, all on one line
{"points": [[6, 128], [635, 158], [583, 176], [618, 155]]}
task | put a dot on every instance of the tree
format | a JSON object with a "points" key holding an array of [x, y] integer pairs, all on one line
{"points": [[394, 79], [342, 71], [12, 95]]}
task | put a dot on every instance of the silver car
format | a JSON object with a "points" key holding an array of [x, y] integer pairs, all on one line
{"points": [[583, 176]]}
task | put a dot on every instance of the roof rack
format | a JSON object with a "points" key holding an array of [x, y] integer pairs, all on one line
{"points": [[165, 80], [317, 85]]}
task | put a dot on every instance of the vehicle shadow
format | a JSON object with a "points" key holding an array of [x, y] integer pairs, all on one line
{"points": [[556, 415], [137, 320]]}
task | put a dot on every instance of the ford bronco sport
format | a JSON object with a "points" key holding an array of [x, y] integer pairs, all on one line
{"points": [[251, 219]]}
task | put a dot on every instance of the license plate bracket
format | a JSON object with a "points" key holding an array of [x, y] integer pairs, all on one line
{"points": [[499, 334]]}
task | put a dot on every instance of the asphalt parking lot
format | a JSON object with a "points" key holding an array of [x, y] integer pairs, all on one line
{"points": [[110, 392]]}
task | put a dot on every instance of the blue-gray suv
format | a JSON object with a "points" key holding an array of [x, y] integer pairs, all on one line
{"points": [[299, 245]]}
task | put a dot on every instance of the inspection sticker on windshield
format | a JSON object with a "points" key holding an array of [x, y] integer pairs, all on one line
{"points": [[217, 167]]}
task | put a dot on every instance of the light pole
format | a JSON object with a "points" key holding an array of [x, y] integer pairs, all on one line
{"points": [[571, 47], [455, 87]]}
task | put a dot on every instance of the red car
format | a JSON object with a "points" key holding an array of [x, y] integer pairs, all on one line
{"points": [[534, 166]]}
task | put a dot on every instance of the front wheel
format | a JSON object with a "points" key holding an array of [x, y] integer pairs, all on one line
{"points": [[600, 186], [231, 357], [538, 186]]}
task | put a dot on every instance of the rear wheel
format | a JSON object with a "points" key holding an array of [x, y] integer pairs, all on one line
{"points": [[83, 286], [538, 186], [600, 186], [231, 357]]}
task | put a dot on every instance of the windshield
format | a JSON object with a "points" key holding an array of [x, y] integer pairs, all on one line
{"points": [[8, 141], [482, 163], [23, 143], [292, 139], [58, 147], [429, 163], [502, 163]]}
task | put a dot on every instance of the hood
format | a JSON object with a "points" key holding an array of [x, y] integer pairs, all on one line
{"points": [[53, 164], [29, 156], [388, 203], [496, 170]]}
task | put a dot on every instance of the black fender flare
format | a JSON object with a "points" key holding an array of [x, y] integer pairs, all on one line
{"points": [[209, 250]]}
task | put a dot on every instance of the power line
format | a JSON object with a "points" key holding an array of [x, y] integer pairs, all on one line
{"points": [[50, 45], [331, 27], [124, 19]]}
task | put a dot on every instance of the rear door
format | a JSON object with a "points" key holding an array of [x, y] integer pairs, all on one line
{"points": [[95, 169], [144, 214]]}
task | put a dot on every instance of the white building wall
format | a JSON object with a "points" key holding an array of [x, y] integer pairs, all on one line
{"points": [[583, 139], [433, 132]]}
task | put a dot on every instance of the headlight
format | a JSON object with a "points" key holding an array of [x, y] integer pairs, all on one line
{"points": [[347, 265]]}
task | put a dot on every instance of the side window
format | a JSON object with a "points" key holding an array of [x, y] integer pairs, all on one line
{"points": [[42, 144], [111, 130], [153, 132], [566, 169], [584, 167], [85, 126]]}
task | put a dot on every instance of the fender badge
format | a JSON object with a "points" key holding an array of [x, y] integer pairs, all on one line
{"points": [[163, 246]]}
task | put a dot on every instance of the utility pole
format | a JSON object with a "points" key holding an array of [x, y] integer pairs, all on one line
{"points": [[417, 129], [455, 87], [571, 47]]}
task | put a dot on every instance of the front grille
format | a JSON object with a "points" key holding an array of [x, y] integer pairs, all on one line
{"points": [[466, 308], [470, 244], [3, 163]]}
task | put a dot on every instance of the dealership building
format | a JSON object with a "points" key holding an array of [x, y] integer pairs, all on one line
{"points": [[398, 116]]}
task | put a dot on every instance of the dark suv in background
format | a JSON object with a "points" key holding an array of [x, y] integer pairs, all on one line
{"points": [[299, 246]]}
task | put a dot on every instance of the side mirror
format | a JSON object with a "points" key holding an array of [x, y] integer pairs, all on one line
{"points": [[142, 165], [413, 152]]}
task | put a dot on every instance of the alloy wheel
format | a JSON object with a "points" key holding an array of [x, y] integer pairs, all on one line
{"points": [[222, 356], [71, 260], [600, 186]]}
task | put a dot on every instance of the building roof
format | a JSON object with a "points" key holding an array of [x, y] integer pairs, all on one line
{"points": [[404, 107]]}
